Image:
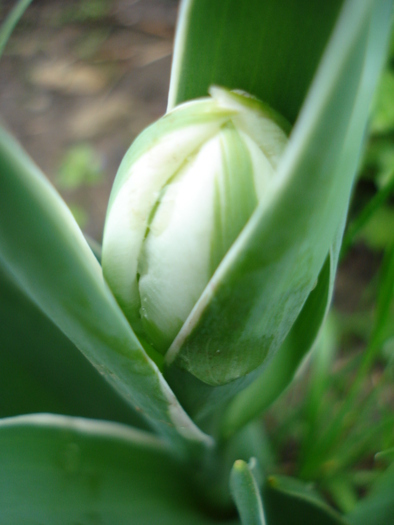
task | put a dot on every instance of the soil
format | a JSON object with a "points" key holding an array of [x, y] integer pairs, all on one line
{"points": [[86, 72]]}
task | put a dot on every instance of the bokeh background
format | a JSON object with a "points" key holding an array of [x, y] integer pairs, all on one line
{"points": [[79, 80]]}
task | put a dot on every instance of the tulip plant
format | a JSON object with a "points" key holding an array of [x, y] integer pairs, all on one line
{"points": [[220, 249]]}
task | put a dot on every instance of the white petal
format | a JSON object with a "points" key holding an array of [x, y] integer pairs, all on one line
{"points": [[127, 220], [176, 256]]}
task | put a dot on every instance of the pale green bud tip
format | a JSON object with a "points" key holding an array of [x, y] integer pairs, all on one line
{"points": [[185, 190]]}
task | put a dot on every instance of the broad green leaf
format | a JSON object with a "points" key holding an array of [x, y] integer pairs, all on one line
{"points": [[378, 507], [47, 255], [251, 402], [233, 46], [261, 285], [261, 388], [42, 371], [246, 494], [57, 470], [288, 501]]}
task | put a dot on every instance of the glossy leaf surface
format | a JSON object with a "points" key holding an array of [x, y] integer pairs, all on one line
{"points": [[57, 471], [42, 371], [47, 255], [232, 46], [252, 401]]}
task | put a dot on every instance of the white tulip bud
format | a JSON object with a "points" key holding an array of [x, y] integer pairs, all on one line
{"points": [[185, 190]]}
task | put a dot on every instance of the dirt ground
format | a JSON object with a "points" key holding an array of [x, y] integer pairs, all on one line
{"points": [[79, 80]]}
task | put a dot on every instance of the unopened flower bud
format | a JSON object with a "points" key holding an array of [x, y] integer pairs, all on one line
{"points": [[184, 191]]}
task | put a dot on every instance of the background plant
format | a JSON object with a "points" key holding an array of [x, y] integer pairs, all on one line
{"points": [[299, 439]]}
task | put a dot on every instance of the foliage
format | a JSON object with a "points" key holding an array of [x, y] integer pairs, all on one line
{"points": [[271, 443]]}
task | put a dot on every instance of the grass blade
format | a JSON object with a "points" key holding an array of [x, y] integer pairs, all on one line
{"points": [[11, 21], [45, 251]]}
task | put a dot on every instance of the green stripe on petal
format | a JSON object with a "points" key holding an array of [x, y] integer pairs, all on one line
{"points": [[183, 195], [137, 189], [235, 193], [176, 255]]}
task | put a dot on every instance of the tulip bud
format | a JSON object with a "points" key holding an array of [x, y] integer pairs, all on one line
{"points": [[183, 193]]}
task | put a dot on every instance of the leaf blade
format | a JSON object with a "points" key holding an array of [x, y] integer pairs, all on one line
{"points": [[42, 371], [292, 502], [246, 494], [252, 300], [208, 34], [59, 470], [44, 250]]}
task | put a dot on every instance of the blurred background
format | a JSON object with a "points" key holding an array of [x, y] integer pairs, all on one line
{"points": [[81, 78]]}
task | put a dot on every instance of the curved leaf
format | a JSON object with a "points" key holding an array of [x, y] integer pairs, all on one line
{"points": [[246, 494], [46, 253], [385, 454], [11, 21], [42, 371], [261, 285], [281, 370], [233, 46], [57, 471], [254, 393]]}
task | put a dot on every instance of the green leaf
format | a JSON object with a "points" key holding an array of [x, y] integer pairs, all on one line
{"points": [[233, 46], [11, 21], [246, 494], [42, 371], [261, 285], [257, 397], [385, 454], [383, 116], [379, 231], [57, 471], [46, 253], [378, 507], [288, 501]]}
